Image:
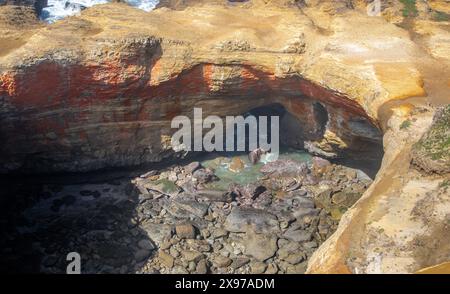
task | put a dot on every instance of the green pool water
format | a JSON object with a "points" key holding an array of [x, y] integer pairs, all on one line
{"points": [[222, 165]]}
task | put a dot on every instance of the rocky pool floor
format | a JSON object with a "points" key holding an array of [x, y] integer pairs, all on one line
{"points": [[219, 215]]}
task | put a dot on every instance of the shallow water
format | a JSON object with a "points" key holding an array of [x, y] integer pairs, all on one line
{"points": [[238, 169]]}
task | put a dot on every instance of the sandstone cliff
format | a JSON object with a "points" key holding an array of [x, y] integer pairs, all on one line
{"points": [[99, 90]]}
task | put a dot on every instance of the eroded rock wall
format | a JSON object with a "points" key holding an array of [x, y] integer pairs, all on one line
{"points": [[99, 90]]}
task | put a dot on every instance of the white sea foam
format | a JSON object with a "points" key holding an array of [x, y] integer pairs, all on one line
{"points": [[58, 9]]}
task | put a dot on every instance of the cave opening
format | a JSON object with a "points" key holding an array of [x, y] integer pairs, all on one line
{"points": [[121, 225], [362, 140], [321, 116]]}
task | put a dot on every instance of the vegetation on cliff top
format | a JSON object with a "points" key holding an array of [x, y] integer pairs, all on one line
{"points": [[432, 152], [409, 8], [441, 16]]}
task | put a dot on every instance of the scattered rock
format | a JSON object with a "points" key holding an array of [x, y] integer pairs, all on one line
{"points": [[219, 233], [221, 261], [323, 199], [192, 167], [245, 194], [203, 175], [214, 196], [290, 252], [202, 267], [185, 231], [272, 269], [149, 174], [146, 244], [258, 267], [285, 168], [239, 262], [297, 235], [157, 232], [191, 255], [141, 255], [165, 259], [236, 165], [163, 186], [193, 207], [260, 246], [241, 219], [319, 165]]}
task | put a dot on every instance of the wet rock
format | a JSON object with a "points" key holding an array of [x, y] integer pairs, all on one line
{"points": [[255, 156], [141, 255], [95, 194], [69, 200], [236, 165], [241, 219], [260, 246], [285, 168], [149, 174], [311, 179], [49, 261], [146, 244], [292, 186], [192, 167], [245, 194], [203, 175], [263, 201], [163, 186], [185, 231], [56, 205], [144, 192], [319, 165]]}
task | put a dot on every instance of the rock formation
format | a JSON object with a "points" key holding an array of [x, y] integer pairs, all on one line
{"points": [[99, 90], [37, 5]]}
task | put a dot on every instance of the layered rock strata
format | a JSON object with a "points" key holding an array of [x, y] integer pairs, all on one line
{"points": [[99, 90]]}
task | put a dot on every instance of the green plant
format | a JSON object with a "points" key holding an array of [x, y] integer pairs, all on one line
{"points": [[409, 8], [444, 184], [406, 124], [436, 143], [441, 16]]}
